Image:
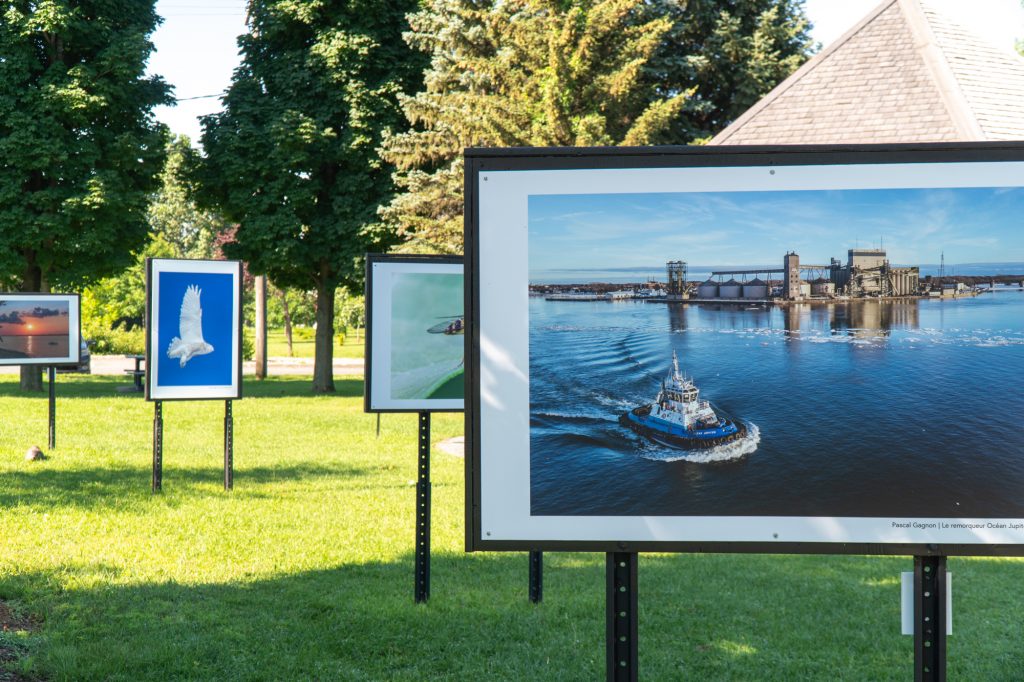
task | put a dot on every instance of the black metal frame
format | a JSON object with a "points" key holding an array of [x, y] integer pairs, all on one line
{"points": [[52, 403], [421, 592], [150, 308], [482, 160], [621, 617], [371, 259], [75, 348], [930, 619]]}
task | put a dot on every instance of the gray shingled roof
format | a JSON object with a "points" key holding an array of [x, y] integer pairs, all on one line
{"points": [[904, 73]]}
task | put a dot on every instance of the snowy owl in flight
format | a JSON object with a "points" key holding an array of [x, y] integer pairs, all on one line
{"points": [[190, 326]]}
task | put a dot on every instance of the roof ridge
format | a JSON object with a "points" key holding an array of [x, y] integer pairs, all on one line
{"points": [[927, 46], [800, 73]]}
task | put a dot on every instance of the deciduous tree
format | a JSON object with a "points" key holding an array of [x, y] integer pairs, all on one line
{"points": [[292, 158], [79, 146]]}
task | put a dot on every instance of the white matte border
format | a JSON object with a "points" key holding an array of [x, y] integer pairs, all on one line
{"points": [[504, 412], [156, 391], [74, 355], [382, 277]]}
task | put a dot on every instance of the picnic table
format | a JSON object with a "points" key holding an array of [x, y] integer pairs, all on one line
{"points": [[138, 373]]}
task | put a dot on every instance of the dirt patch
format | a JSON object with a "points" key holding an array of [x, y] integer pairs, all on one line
{"points": [[12, 621]]}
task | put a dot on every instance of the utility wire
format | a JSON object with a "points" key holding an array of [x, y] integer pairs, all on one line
{"points": [[187, 99]]}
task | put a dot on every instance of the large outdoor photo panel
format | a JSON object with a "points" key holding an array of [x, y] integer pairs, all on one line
{"points": [[194, 329], [39, 329], [797, 349], [415, 341]]}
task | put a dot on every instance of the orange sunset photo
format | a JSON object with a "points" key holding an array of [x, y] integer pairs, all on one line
{"points": [[33, 328]]}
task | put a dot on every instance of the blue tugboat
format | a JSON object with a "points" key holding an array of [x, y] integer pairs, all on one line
{"points": [[679, 418]]}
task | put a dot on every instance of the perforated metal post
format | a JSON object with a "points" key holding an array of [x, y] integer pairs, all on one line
{"points": [[158, 446], [53, 408], [423, 513], [621, 617], [536, 577], [929, 619], [229, 447]]}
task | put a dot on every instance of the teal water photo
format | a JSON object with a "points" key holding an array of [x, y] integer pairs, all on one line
{"points": [[427, 325]]}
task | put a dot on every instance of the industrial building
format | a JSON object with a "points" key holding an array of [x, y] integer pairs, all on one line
{"points": [[866, 273]]}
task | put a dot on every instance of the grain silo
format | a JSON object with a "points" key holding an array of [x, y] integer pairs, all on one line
{"points": [[730, 289], [755, 288], [708, 289]]}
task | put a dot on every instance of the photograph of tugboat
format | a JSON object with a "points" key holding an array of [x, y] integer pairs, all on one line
{"points": [[679, 418], [818, 353]]}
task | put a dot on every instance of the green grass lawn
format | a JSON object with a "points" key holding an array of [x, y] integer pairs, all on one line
{"points": [[304, 571], [277, 346]]}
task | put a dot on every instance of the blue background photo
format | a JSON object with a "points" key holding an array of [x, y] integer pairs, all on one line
{"points": [[217, 301]]}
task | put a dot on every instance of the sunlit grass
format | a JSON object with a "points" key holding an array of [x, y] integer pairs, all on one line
{"points": [[304, 571], [277, 346]]}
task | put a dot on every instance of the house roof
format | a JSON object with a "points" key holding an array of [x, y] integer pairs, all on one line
{"points": [[904, 73]]}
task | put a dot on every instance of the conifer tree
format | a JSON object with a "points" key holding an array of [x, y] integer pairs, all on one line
{"points": [[574, 73]]}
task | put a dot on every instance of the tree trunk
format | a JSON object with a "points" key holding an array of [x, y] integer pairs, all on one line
{"points": [[33, 282], [323, 362], [261, 326], [287, 321]]}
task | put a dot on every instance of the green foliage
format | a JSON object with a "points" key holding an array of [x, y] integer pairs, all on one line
{"points": [[573, 73], [730, 53], [173, 213], [114, 308], [79, 147], [293, 158]]}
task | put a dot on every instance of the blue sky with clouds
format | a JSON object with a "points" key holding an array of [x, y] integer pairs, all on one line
{"points": [[971, 225]]}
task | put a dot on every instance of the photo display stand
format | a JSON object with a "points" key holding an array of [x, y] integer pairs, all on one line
{"points": [[584, 427], [193, 344], [42, 331], [415, 352]]}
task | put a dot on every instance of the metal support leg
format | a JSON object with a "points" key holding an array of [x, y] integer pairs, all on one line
{"points": [[621, 617], [929, 619], [423, 513], [229, 447], [53, 408], [158, 446], [536, 577]]}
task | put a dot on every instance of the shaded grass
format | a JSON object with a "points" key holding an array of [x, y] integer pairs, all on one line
{"points": [[304, 572]]}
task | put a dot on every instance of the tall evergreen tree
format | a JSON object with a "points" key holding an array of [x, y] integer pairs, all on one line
{"points": [[292, 158], [573, 73], [79, 146]]}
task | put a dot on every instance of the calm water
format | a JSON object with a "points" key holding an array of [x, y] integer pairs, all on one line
{"points": [[862, 409], [35, 346]]}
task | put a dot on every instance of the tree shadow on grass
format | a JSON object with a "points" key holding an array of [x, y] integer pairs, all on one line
{"points": [[713, 617], [103, 386], [109, 486]]}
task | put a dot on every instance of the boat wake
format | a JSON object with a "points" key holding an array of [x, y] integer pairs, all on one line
{"points": [[720, 453]]}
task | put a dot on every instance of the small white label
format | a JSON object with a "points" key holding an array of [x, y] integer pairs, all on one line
{"points": [[907, 603]]}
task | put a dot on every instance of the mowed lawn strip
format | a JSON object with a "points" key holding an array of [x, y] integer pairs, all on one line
{"points": [[304, 571]]}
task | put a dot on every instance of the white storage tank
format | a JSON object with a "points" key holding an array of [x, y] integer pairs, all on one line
{"points": [[730, 289], [805, 288], [822, 287], [755, 288], [708, 289]]}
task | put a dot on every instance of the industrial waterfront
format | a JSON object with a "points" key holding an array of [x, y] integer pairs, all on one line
{"points": [[865, 274], [904, 401]]}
